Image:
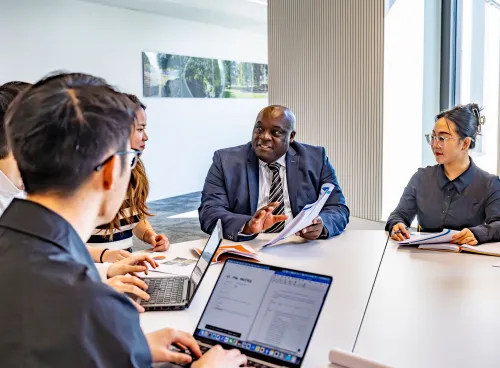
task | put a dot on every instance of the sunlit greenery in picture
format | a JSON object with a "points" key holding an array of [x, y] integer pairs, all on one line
{"points": [[177, 76]]}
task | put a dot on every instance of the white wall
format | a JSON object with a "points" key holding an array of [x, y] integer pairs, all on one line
{"points": [[77, 36]]}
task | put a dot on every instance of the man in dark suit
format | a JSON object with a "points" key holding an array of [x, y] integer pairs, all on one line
{"points": [[259, 186]]}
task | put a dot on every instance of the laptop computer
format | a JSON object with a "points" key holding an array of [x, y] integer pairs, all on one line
{"points": [[177, 292], [267, 312]]}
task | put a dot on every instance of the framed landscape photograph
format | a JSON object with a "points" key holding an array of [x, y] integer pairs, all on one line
{"points": [[178, 76]]}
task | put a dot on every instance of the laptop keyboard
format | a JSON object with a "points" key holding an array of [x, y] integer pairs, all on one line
{"points": [[256, 365], [164, 290], [250, 363]]}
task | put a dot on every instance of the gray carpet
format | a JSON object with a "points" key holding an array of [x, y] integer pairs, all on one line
{"points": [[185, 229], [179, 229]]}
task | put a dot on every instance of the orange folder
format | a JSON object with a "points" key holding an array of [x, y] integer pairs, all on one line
{"points": [[232, 251]]}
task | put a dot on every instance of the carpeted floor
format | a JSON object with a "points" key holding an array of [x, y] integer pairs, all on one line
{"points": [[177, 229], [177, 217]]}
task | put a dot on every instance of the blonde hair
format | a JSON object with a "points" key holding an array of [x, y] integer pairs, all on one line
{"points": [[137, 193]]}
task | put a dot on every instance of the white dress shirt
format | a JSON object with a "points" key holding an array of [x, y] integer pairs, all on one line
{"points": [[8, 191], [102, 268], [265, 181]]}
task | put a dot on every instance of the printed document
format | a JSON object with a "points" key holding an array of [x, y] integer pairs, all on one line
{"points": [[430, 238], [305, 217]]}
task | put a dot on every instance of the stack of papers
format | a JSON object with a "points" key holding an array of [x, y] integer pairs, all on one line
{"points": [[441, 242], [232, 251], [429, 238]]}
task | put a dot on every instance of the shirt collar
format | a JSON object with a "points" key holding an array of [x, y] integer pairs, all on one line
{"points": [[462, 181], [7, 187], [281, 161], [38, 221]]}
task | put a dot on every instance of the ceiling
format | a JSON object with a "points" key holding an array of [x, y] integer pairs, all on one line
{"points": [[246, 15]]}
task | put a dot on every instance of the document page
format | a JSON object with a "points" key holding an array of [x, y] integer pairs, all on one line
{"points": [[305, 217], [177, 266], [236, 299], [288, 313]]}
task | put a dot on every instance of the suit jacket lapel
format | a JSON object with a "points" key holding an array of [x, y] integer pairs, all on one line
{"points": [[292, 171], [253, 180]]}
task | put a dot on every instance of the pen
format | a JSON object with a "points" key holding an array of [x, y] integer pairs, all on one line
{"points": [[399, 231]]}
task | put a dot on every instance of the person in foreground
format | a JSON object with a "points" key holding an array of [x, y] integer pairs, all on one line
{"points": [[71, 143], [455, 194], [261, 185], [116, 274]]}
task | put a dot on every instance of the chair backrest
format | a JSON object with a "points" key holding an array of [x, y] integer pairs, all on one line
{"points": [[342, 358]]}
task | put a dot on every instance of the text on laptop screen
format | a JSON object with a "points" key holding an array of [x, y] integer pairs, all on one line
{"points": [[204, 260], [268, 311]]}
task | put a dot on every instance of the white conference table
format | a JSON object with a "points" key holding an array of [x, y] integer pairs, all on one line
{"points": [[433, 309], [351, 258]]}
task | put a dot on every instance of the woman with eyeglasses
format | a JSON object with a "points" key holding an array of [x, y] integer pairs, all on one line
{"points": [[454, 194], [113, 242]]}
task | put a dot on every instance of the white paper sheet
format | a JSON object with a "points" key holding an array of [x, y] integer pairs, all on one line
{"points": [[177, 266], [429, 238], [305, 217]]}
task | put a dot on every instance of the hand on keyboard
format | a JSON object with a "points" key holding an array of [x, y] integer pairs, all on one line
{"points": [[131, 285], [217, 357], [160, 341]]}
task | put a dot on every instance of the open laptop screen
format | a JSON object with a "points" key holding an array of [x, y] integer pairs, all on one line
{"points": [[205, 259], [264, 310]]}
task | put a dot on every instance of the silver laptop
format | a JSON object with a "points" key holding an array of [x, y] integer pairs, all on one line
{"points": [[267, 312], [177, 292]]}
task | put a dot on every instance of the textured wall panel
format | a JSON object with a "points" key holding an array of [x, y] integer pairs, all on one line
{"points": [[326, 64]]}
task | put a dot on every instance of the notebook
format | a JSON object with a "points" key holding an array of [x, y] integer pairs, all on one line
{"points": [[232, 251], [489, 249]]}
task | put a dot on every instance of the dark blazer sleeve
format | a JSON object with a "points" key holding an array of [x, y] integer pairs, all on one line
{"points": [[215, 204], [406, 210], [490, 231], [335, 213]]}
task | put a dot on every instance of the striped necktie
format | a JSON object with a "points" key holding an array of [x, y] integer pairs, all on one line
{"points": [[276, 195]]}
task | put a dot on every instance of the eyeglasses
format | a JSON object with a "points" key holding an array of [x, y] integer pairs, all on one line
{"points": [[132, 157], [440, 140]]}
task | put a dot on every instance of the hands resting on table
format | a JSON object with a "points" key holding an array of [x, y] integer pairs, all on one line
{"points": [[161, 340], [400, 232]]}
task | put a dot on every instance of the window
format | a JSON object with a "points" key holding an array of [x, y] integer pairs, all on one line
{"points": [[437, 54], [477, 71]]}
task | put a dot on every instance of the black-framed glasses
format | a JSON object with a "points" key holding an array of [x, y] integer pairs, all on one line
{"points": [[132, 157]]}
